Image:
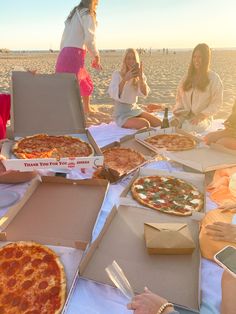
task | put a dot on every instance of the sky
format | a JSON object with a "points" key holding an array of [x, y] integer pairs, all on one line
{"points": [[156, 24]]}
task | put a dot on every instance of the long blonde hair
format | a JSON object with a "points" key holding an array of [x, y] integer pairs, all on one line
{"points": [[84, 4], [204, 79], [124, 68]]}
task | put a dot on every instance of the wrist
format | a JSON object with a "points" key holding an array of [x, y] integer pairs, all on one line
{"points": [[166, 308]]}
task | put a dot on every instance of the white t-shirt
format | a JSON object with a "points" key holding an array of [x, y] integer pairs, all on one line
{"points": [[130, 92], [80, 32]]}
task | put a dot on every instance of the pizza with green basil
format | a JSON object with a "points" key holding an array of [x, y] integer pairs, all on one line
{"points": [[166, 194]]}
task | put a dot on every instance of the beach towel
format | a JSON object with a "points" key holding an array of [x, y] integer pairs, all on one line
{"points": [[219, 187], [5, 105]]}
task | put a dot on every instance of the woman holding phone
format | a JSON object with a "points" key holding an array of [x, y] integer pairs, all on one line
{"points": [[125, 87]]}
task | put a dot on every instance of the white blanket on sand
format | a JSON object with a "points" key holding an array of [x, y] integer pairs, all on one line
{"points": [[91, 298]]}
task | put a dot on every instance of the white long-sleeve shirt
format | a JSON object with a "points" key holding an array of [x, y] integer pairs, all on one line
{"points": [[80, 32], [129, 94], [195, 101]]}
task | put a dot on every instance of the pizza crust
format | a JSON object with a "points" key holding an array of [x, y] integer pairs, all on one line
{"points": [[36, 252], [119, 161], [145, 198], [172, 142], [50, 146]]}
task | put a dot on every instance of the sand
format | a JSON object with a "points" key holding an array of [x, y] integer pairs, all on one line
{"points": [[163, 72]]}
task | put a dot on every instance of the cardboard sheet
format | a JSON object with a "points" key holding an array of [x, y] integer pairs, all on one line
{"points": [[202, 158], [175, 277], [198, 180]]}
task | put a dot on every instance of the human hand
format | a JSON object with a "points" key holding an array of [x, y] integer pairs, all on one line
{"points": [[96, 63], [200, 117], [13, 176], [140, 71], [148, 303], [174, 122], [221, 231], [228, 288]]}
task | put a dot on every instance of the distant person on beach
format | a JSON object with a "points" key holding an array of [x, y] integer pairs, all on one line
{"points": [[125, 87], [227, 136], [79, 36], [199, 95]]}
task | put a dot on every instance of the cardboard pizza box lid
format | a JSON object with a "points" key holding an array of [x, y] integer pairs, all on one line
{"points": [[46, 103], [122, 239]]}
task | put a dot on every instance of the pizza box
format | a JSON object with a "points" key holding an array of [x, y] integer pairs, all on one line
{"points": [[59, 213], [197, 179], [203, 158], [122, 239], [128, 141], [51, 104]]}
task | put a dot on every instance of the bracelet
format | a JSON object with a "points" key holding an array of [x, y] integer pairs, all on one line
{"points": [[164, 306]]}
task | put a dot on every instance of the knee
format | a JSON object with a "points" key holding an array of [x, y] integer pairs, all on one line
{"points": [[156, 123], [143, 123]]}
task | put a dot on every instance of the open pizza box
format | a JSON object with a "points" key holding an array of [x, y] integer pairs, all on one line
{"points": [[128, 141], [202, 158], [58, 213], [51, 104], [174, 277], [196, 179]]}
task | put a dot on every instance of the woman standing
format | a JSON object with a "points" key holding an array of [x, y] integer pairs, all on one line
{"points": [[79, 36], [125, 87], [200, 93]]}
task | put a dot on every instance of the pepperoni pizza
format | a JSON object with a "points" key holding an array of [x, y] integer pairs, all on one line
{"points": [[50, 146], [32, 279]]}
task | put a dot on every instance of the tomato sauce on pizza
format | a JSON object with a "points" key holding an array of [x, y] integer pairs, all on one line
{"points": [[50, 146], [169, 195], [32, 279], [172, 142]]}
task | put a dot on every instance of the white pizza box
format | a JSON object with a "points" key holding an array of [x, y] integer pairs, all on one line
{"points": [[196, 179], [59, 213], [51, 104], [129, 141], [203, 158], [122, 239]]}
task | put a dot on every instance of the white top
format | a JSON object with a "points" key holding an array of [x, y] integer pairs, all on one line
{"points": [[207, 102], [80, 32], [130, 92]]}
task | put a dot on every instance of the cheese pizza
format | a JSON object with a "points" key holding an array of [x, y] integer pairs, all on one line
{"points": [[171, 142]]}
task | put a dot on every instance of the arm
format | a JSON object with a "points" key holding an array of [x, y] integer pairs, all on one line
{"points": [[143, 87], [149, 303], [216, 97], [89, 25]]}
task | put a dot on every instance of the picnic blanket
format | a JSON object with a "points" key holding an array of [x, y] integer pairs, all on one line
{"points": [[92, 298]]}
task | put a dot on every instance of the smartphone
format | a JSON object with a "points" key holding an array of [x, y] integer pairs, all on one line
{"points": [[226, 258], [135, 68]]}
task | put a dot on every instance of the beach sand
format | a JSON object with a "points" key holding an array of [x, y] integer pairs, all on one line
{"points": [[163, 72]]}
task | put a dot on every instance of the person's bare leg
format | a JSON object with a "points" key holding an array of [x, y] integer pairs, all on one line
{"points": [[228, 287], [154, 121], [228, 142], [136, 123], [86, 104]]}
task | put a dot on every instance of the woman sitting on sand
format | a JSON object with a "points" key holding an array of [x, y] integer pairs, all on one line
{"points": [[199, 95], [226, 137], [125, 87]]}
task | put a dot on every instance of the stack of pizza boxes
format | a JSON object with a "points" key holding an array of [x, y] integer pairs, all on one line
{"points": [[48, 104]]}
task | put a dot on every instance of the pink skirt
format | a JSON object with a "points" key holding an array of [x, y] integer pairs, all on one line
{"points": [[71, 60]]}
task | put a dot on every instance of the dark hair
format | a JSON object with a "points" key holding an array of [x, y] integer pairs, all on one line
{"points": [[84, 4], [204, 79]]}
